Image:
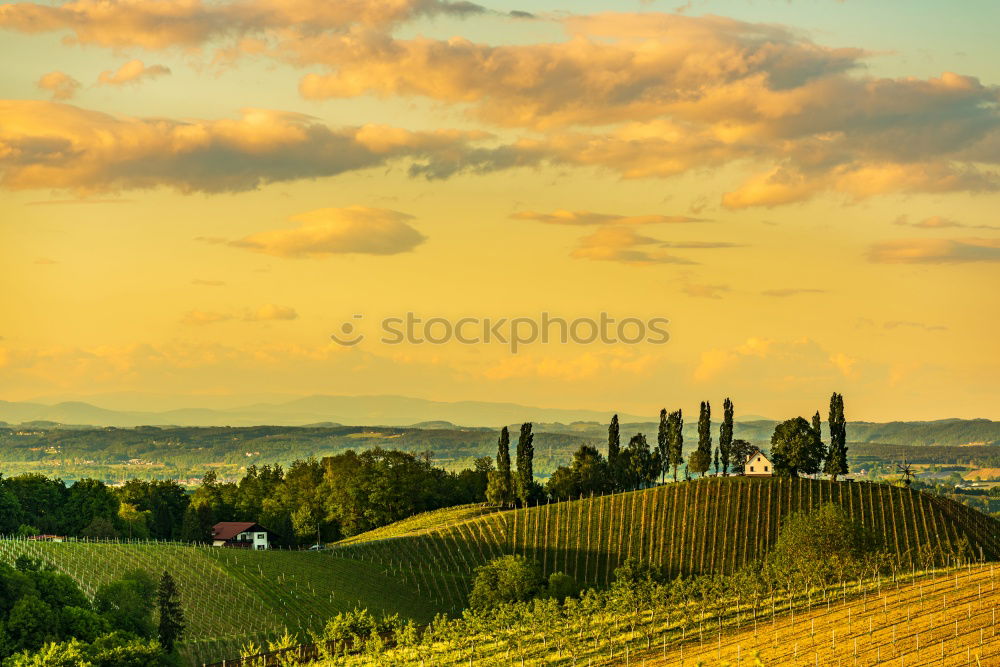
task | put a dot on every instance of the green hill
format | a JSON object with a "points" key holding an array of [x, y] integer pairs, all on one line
{"points": [[710, 525], [231, 596]]}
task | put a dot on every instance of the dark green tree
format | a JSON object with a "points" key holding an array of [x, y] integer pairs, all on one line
{"points": [[128, 603], [836, 460], [701, 459], [614, 441], [726, 435], [525, 479], [795, 449], [675, 436], [716, 460], [586, 475], [640, 466], [506, 579], [171, 614], [740, 452], [501, 489], [663, 444]]}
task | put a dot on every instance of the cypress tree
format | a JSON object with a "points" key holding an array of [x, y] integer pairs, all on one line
{"points": [[836, 460], [716, 460], [171, 615], [726, 435], [614, 441], [499, 489], [701, 458], [663, 445], [525, 464], [675, 437]]}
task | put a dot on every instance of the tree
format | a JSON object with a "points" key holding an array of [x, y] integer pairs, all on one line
{"points": [[197, 525], [506, 579], [525, 479], [500, 489], [171, 614], [739, 453], [639, 466], [614, 441], [716, 460], [726, 435], [819, 546], [836, 460], [586, 475], [128, 603], [795, 449], [675, 437], [701, 458], [663, 444]]}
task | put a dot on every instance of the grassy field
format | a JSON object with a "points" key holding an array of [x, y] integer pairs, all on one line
{"points": [[232, 595], [715, 525]]}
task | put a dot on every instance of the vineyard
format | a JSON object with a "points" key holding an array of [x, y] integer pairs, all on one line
{"points": [[231, 596], [940, 618], [714, 525]]}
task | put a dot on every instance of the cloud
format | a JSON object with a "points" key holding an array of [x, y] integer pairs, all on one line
{"points": [[935, 251], [896, 324], [715, 360], [844, 364], [208, 283], [271, 312], [131, 72], [202, 317], [159, 24], [705, 291], [937, 222], [623, 244], [791, 291], [61, 85], [45, 261], [59, 146], [334, 231], [265, 313], [700, 245], [563, 217]]}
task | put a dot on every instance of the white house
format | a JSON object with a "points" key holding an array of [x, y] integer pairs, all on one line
{"points": [[240, 534], [758, 465]]}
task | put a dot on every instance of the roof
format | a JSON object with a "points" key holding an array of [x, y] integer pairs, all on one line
{"points": [[227, 530], [758, 453]]}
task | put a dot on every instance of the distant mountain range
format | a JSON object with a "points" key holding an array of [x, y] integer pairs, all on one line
{"points": [[354, 410], [440, 415]]}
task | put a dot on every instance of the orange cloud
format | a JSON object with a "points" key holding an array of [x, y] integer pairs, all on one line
{"points": [[563, 217], [61, 85], [623, 244], [49, 145], [265, 313], [159, 24], [355, 229], [935, 251], [131, 72]]}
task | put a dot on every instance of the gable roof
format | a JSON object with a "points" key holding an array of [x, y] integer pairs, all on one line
{"points": [[227, 530], [757, 453]]}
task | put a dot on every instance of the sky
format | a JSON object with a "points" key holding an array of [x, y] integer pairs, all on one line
{"points": [[196, 195]]}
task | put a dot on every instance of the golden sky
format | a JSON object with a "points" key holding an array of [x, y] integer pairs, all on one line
{"points": [[195, 194]]}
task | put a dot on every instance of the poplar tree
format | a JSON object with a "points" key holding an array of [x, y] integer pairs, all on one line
{"points": [[675, 438], [726, 435], [836, 460], [500, 488], [701, 458], [663, 445], [614, 455], [525, 464]]}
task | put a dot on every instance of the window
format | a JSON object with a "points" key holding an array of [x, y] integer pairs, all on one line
{"points": [[751, 468], [765, 468]]}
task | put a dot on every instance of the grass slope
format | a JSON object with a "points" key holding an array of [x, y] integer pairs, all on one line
{"points": [[231, 596], [710, 525]]}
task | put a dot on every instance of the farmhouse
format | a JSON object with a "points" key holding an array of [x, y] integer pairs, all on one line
{"points": [[240, 534], [758, 465]]}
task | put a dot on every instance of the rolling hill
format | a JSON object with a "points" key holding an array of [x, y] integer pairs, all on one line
{"points": [[709, 525]]}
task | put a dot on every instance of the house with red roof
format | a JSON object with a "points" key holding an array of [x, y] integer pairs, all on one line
{"points": [[241, 535]]}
